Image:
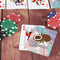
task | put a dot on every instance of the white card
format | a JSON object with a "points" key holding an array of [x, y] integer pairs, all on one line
{"points": [[38, 4], [24, 38], [2, 4], [16, 4]]}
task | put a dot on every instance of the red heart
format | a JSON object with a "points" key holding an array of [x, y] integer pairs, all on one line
{"points": [[0, 1], [43, 4], [22, 4], [0, 6]]}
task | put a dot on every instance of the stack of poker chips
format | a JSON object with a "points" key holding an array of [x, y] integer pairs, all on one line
{"points": [[8, 26]]}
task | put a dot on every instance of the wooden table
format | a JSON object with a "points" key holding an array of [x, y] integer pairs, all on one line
{"points": [[10, 45]]}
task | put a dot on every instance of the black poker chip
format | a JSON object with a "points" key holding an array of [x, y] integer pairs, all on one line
{"points": [[2, 34]]}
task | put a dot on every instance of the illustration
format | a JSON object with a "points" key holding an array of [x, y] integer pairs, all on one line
{"points": [[38, 2], [17, 2]]}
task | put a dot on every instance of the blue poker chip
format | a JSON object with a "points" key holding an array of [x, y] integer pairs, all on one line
{"points": [[51, 14]]}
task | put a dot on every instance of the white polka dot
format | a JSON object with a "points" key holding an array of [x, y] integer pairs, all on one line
{"points": [[54, 27], [48, 25], [3, 21], [48, 16], [59, 24], [0, 20], [6, 29], [6, 32], [13, 32], [12, 27], [4, 35], [1, 25], [9, 19], [19, 19], [18, 15], [9, 34], [3, 30], [7, 15], [3, 18], [10, 30], [51, 12], [14, 22], [0, 38], [53, 17], [16, 27], [56, 12], [59, 18], [13, 13], [48, 20]]}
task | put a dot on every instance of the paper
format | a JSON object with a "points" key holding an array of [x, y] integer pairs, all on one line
{"points": [[16, 4], [2, 4], [26, 31], [41, 41], [38, 4], [55, 3]]}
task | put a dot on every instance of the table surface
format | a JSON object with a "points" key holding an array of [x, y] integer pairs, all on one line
{"points": [[10, 45]]}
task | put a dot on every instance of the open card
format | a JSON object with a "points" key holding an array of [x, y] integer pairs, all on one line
{"points": [[16, 4], [2, 4], [41, 41], [38, 4], [26, 31]]}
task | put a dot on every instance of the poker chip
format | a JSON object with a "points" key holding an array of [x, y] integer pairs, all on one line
{"points": [[13, 16], [2, 34], [0, 24], [54, 22], [9, 27], [51, 14]]}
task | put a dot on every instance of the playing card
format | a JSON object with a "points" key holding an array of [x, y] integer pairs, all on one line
{"points": [[41, 41], [55, 3], [26, 31], [38, 4], [2, 4], [16, 4]]}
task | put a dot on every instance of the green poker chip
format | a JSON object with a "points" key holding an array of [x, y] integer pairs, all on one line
{"points": [[9, 27]]}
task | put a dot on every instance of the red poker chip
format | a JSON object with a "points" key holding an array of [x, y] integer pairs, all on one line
{"points": [[54, 22], [15, 17]]}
